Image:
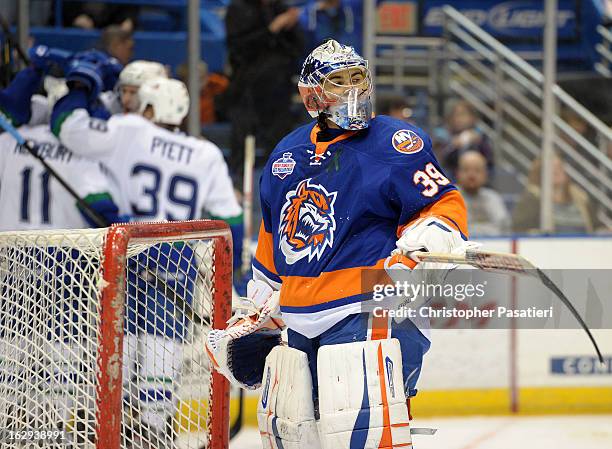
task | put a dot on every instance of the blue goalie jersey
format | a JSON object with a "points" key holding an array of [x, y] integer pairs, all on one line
{"points": [[334, 203]]}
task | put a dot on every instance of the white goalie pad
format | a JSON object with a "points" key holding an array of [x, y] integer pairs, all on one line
{"points": [[362, 402], [285, 412]]}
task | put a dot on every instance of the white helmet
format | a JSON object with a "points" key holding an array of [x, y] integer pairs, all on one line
{"points": [[169, 98], [137, 72]]}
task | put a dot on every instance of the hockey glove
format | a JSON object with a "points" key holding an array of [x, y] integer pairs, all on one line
{"points": [[239, 351], [110, 67], [86, 74], [431, 234], [43, 57]]}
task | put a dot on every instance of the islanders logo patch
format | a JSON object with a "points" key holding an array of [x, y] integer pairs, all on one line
{"points": [[406, 141], [284, 166], [307, 222]]}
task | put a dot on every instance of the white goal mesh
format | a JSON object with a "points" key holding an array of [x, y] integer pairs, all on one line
{"points": [[101, 336]]}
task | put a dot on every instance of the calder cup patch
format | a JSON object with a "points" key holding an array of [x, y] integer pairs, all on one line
{"points": [[406, 141], [284, 166], [307, 222]]}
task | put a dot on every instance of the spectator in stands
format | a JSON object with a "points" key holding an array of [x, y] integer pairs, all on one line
{"points": [[578, 124], [463, 135], [89, 15], [264, 43], [118, 42], [487, 212], [573, 211], [395, 106], [211, 86]]}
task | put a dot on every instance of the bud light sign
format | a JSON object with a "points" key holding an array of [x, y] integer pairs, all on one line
{"points": [[520, 19]]}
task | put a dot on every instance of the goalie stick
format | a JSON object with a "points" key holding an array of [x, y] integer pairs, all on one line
{"points": [[98, 219], [507, 264], [247, 201]]}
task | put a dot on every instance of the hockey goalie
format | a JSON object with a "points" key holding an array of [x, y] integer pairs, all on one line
{"points": [[344, 193]]}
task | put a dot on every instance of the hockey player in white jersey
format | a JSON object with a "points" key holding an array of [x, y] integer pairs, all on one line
{"points": [[30, 198], [164, 175]]}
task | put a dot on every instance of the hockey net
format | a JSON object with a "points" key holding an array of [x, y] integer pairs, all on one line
{"points": [[102, 336]]}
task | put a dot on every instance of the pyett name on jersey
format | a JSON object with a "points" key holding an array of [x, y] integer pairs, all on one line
{"points": [[170, 150], [48, 150]]}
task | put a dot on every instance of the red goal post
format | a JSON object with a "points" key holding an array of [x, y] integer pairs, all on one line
{"points": [[68, 300]]}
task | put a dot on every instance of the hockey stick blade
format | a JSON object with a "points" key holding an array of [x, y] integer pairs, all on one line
{"points": [[98, 219], [507, 264], [553, 288]]}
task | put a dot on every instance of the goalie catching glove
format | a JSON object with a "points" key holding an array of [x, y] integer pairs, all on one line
{"points": [[239, 351]]}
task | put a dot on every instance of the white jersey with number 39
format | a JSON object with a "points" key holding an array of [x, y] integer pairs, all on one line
{"points": [[30, 197], [163, 175]]}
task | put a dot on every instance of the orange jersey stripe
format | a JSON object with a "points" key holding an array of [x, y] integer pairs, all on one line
{"points": [[299, 291], [380, 327], [386, 440], [321, 147], [450, 208], [265, 251]]}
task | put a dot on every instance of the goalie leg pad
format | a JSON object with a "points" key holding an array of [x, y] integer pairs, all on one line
{"points": [[285, 413], [361, 396]]}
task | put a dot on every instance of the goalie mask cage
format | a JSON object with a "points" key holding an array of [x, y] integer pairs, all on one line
{"points": [[102, 336]]}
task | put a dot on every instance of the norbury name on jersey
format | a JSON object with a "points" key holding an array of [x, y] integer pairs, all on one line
{"points": [[170, 150], [48, 150]]}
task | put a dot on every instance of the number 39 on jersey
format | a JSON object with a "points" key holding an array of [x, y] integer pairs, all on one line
{"points": [[430, 179]]}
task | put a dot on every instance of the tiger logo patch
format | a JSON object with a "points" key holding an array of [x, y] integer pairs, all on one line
{"points": [[307, 223]]}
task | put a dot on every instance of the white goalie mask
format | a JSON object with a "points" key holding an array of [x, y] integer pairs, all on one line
{"points": [[168, 97], [336, 82]]}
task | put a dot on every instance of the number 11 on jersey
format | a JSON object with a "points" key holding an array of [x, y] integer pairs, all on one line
{"points": [[26, 184]]}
